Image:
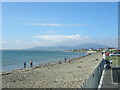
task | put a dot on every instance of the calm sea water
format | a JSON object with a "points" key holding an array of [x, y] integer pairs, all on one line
{"points": [[12, 60]]}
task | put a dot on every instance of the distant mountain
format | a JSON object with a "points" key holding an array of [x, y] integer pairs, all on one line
{"points": [[91, 45], [51, 48], [62, 48]]}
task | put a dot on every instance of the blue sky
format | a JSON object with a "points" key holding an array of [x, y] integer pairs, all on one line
{"points": [[28, 24]]}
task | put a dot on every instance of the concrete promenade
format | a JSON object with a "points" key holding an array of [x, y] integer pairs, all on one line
{"points": [[111, 79]]}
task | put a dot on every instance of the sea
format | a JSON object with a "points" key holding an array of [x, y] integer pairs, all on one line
{"points": [[14, 59]]}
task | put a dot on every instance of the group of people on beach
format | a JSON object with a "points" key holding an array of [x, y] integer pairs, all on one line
{"points": [[65, 61], [31, 64]]}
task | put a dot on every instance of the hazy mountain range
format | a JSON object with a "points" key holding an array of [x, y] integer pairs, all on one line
{"points": [[61, 48]]}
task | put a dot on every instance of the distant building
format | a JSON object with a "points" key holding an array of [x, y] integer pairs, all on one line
{"points": [[111, 49]]}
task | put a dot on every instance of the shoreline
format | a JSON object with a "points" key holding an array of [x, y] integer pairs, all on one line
{"points": [[44, 64], [53, 75], [38, 61]]}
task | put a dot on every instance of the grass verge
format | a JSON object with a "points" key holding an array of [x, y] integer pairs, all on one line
{"points": [[115, 60]]}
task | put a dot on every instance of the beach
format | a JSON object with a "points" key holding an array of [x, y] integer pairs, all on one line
{"points": [[53, 75]]}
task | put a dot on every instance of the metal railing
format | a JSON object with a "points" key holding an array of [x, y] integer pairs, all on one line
{"points": [[94, 78]]}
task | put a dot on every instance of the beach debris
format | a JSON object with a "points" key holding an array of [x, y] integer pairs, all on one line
{"points": [[79, 66], [6, 73], [59, 62], [96, 59]]}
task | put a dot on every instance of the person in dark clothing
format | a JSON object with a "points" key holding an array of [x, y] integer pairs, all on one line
{"points": [[65, 59], [31, 63], [107, 64], [107, 61], [24, 64], [102, 53]]}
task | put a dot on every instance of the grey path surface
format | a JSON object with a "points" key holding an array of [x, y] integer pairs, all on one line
{"points": [[116, 75], [108, 80]]}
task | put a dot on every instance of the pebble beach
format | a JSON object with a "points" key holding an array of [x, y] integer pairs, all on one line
{"points": [[53, 75]]}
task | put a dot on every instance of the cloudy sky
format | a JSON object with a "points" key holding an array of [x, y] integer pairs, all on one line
{"points": [[28, 24]]}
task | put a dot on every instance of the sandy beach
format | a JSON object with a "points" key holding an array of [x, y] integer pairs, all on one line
{"points": [[54, 75]]}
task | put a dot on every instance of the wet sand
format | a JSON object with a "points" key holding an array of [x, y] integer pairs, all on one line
{"points": [[54, 75]]}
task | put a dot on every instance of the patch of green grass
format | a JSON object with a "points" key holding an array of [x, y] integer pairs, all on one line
{"points": [[114, 59]]}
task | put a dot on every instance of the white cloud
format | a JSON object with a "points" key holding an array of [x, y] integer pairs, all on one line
{"points": [[61, 37], [54, 24], [39, 24], [58, 40], [67, 40], [48, 40], [51, 32]]}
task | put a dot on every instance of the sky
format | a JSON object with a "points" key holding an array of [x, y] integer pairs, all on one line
{"points": [[60, 0], [32, 24]]}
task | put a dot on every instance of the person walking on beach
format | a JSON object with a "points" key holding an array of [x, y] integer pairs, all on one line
{"points": [[24, 64], [65, 59], [31, 63]]}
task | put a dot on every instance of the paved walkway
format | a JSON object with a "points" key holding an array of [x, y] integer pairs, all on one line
{"points": [[108, 80]]}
